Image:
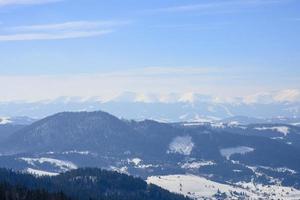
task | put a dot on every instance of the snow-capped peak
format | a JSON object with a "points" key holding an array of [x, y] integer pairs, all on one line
{"points": [[5, 120]]}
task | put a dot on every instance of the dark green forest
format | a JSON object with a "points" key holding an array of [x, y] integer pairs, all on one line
{"points": [[80, 184], [9, 192]]}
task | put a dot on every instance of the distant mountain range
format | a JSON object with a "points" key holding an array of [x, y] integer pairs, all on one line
{"points": [[230, 151], [16, 120], [243, 120], [9, 125], [200, 109]]}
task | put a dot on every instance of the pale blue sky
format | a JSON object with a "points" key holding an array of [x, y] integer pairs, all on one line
{"points": [[254, 43]]}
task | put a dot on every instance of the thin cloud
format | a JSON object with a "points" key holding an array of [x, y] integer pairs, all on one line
{"points": [[73, 25], [217, 6], [66, 30], [54, 36], [193, 27], [160, 82], [25, 2]]}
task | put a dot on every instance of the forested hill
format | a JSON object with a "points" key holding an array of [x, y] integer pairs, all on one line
{"points": [[87, 184], [9, 192]]}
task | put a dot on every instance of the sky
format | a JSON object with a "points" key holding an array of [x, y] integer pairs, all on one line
{"points": [[100, 48]]}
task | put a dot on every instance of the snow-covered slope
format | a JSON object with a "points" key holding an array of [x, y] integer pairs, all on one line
{"points": [[227, 152], [181, 145], [281, 129], [36, 172], [201, 188], [61, 164]]}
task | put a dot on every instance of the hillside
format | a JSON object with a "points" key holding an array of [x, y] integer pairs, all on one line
{"points": [[8, 192], [86, 184], [228, 153]]}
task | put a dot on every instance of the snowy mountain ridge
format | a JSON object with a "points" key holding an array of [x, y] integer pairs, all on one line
{"points": [[201, 109], [228, 152]]}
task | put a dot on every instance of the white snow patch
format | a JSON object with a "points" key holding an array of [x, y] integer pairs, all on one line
{"points": [[280, 169], [277, 138], [284, 169], [218, 125], [181, 145], [281, 129], [296, 124], [228, 152], [63, 165], [142, 166], [135, 161], [193, 124], [78, 152], [197, 164], [122, 170], [36, 172]]}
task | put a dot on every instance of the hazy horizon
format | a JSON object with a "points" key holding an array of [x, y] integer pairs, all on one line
{"points": [[228, 50]]}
